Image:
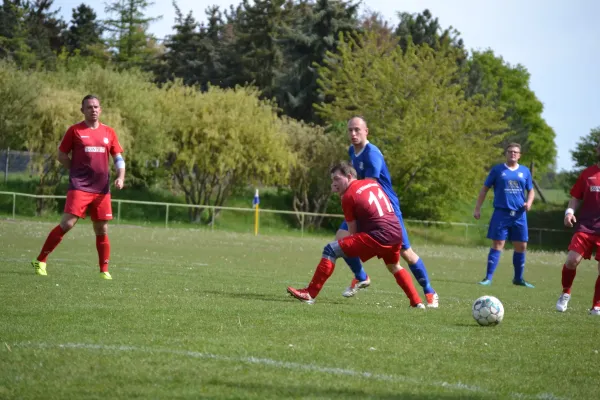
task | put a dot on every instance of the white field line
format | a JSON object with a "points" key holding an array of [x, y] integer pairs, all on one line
{"points": [[283, 364]]}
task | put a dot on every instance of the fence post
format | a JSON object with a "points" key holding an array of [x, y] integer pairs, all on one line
{"points": [[302, 225], [212, 220], [466, 233], [14, 204], [167, 217], [6, 166], [118, 211], [540, 237]]}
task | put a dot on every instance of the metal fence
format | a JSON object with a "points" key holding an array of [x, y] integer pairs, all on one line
{"points": [[240, 219], [15, 162]]}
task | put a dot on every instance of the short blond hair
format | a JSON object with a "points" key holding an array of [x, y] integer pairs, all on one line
{"points": [[511, 145], [345, 168]]}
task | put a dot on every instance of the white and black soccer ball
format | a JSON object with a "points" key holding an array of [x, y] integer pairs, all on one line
{"points": [[488, 310]]}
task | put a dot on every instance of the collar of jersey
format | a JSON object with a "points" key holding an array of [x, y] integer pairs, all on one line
{"points": [[361, 150], [513, 170]]}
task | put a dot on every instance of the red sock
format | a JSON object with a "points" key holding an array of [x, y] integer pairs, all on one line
{"points": [[597, 293], [323, 272], [103, 247], [404, 280], [54, 238], [568, 276]]}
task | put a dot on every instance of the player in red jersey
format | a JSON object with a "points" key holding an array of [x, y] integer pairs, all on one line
{"points": [[586, 240], [89, 144], [374, 232]]}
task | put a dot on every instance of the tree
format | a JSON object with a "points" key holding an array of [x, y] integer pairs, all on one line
{"points": [[424, 29], [508, 86], [307, 42], [85, 33], [257, 28], [44, 29], [18, 93], [222, 140], [181, 58], [132, 43], [315, 152], [585, 154], [13, 33], [418, 116]]}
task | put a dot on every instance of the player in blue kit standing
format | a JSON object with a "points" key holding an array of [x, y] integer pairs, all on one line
{"points": [[368, 161], [513, 197]]}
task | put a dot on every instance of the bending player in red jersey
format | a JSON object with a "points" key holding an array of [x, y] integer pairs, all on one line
{"points": [[586, 239], [374, 231], [89, 143]]}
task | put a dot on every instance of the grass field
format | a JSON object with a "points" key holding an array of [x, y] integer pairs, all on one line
{"points": [[194, 314]]}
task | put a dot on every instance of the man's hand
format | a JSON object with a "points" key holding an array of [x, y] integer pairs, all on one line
{"points": [[527, 206], [570, 220], [477, 213], [119, 183]]}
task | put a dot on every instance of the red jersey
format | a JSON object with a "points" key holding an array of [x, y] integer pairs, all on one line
{"points": [[587, 188], [365, 202], [90, 149]]}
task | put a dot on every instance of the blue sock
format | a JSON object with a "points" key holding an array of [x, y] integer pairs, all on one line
{"points": [[519, 264], [420, 273], [493, 259], [356, 267]]}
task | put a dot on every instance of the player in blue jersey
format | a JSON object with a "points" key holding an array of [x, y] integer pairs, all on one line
{"points": [[513, 197], [369, 163]]}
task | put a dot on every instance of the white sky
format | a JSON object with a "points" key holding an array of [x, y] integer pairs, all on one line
{"points": [[557, 41]]}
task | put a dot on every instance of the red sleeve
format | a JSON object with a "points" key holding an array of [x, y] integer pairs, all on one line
{"points": [[348, 207], [66, 144], [578, 188], [115, 146]]}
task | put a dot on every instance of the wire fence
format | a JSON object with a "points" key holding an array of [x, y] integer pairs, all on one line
{"points": [[271, 222]]}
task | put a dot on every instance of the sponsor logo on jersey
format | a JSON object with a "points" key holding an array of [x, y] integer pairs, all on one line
{"points": [[594, 188], [361, 166], [95, 149]]}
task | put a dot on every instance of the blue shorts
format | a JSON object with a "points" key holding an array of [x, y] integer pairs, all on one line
{"points": [[508, 225], [405, 241]]}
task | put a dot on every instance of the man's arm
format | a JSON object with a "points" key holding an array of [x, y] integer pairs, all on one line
{"points": [[64, 159], [351, 227], [480, 200], [570, 212], [120, 165], [529, 202]]}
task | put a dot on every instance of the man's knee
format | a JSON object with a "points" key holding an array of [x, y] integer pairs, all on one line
{"points": [[332, 251], [409, 256]]}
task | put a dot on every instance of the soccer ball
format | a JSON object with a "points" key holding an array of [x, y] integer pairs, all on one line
{"points": [[488, 310]]}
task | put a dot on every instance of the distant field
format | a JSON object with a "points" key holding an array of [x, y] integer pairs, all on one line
{"points": [[194, 314]]}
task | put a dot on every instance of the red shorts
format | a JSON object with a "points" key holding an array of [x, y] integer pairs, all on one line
{"points": [[364, 246], [584, 244], [99, 204]]}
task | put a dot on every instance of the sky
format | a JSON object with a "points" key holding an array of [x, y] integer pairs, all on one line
{"points": [[556, 40]]}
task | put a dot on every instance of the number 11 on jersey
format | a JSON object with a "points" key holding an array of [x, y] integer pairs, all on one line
{"points": [[382, 196]]}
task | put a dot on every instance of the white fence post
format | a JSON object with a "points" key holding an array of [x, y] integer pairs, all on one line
{"points": [[167, 217]]}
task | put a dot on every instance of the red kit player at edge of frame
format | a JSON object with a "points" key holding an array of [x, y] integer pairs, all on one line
{"points": [[586, 240], [374, 232], [89, 144]]}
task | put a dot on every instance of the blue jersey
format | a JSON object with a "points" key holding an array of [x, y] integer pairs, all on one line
{"points": [[369, 163], [509, 186]]}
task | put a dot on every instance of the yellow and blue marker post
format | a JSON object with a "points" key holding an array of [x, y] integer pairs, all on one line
{"points": [[255, 203]]}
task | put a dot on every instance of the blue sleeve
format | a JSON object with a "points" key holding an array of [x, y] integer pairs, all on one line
{"points": [[491, 178], [373, 167], [529, 181]]}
